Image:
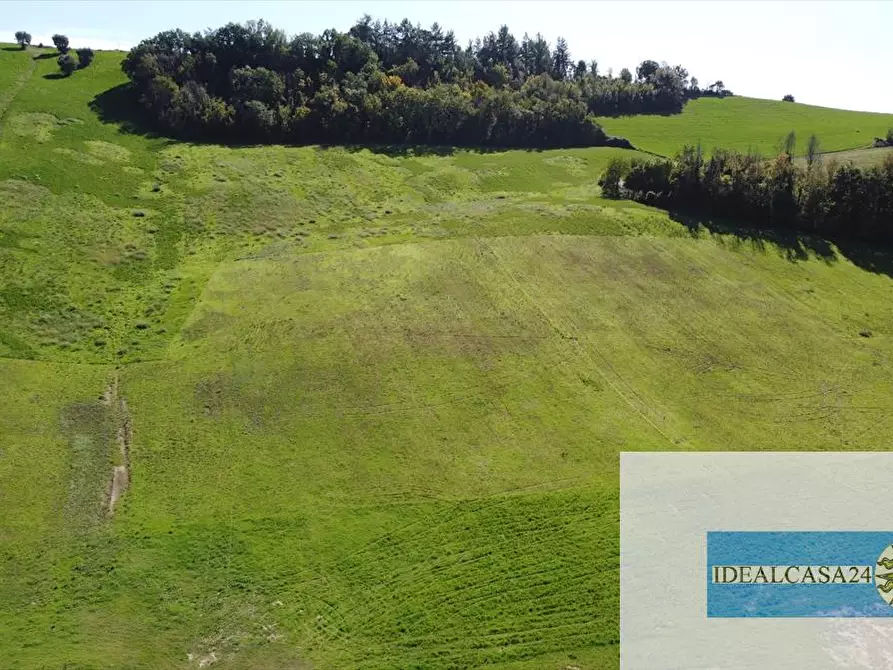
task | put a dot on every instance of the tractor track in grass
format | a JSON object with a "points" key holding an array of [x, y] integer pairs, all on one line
{"points": [[9, 96]]}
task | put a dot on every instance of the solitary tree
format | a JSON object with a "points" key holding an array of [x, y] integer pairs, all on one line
{"points": [[23, 38], [85, 57], [788, 98], [812, 151], [626, 75], [61, 43], [789, 143], [67, 64]]}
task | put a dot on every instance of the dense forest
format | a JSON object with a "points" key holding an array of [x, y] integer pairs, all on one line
{"points": [[829, 199], [386, 82]]}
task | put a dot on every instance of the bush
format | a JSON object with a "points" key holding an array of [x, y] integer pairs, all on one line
{"points": [[67, 64], [612, 177], [890, 137], [85, 57], [788, 98], [61, 42], [648, 176]]}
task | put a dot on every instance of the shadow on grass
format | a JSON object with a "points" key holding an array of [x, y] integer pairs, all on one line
{"points": [[47, 55], [55, 75], [13, 49], [795, 245]]}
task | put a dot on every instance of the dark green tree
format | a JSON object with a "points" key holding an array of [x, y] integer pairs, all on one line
{"points": [[61, 43], [561, 59], [23, 38], [67, 64], [646, 69], [85, 57]]}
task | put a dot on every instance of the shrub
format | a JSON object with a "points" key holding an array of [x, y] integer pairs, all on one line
{"points": [[67, 64], [612, 177], [890, 137], [648, 176], [85, 57], [788, 98]]}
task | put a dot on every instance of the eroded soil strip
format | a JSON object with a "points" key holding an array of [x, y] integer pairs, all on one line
{"points": [[120, 479]]}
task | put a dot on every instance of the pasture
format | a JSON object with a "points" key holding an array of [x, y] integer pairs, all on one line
{"points": [[749, 124], [372, 400]]}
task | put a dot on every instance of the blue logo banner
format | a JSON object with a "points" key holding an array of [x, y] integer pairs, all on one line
{"points": [[799, 574]]}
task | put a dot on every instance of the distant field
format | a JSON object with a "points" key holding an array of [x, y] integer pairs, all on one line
{"points": [[371, 403], [863, 158], [749, 123]]}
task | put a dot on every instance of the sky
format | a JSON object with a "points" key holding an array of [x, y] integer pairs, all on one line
{"points": [[833, 54]]}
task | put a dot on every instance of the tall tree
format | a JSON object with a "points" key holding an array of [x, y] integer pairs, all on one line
{"points": [[561, 59]]}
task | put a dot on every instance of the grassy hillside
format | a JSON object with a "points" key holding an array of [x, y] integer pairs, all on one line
{"points": [[863, 158], [749, 123], [370, 404]]}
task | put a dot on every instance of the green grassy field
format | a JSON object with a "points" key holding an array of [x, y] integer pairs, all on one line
{"points": [[863, 158], [371, 405], [748, 124]]}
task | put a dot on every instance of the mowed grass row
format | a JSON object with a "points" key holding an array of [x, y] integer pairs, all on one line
{"points": [[376, 400], [749, 124]]}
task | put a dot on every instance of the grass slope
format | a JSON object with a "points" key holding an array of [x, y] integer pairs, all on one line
{"points": [[374, 402], [749, 124]]}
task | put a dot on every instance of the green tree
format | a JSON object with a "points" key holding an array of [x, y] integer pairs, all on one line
{"points": [[789, 144], [561, 59], [67, 64], [646, 69], [85, 57], [23, 38], [812, 151], [626, 76], [61, 42]]}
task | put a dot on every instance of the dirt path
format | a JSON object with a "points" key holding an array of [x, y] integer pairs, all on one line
{"points": [[120, 478]]}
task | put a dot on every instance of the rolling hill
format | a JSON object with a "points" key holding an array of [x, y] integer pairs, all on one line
{"points": [[746, 124], [368, 404]]}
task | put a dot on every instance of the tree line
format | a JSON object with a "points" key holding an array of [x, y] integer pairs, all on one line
{"points": [[384, 82], [833, 200]]}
